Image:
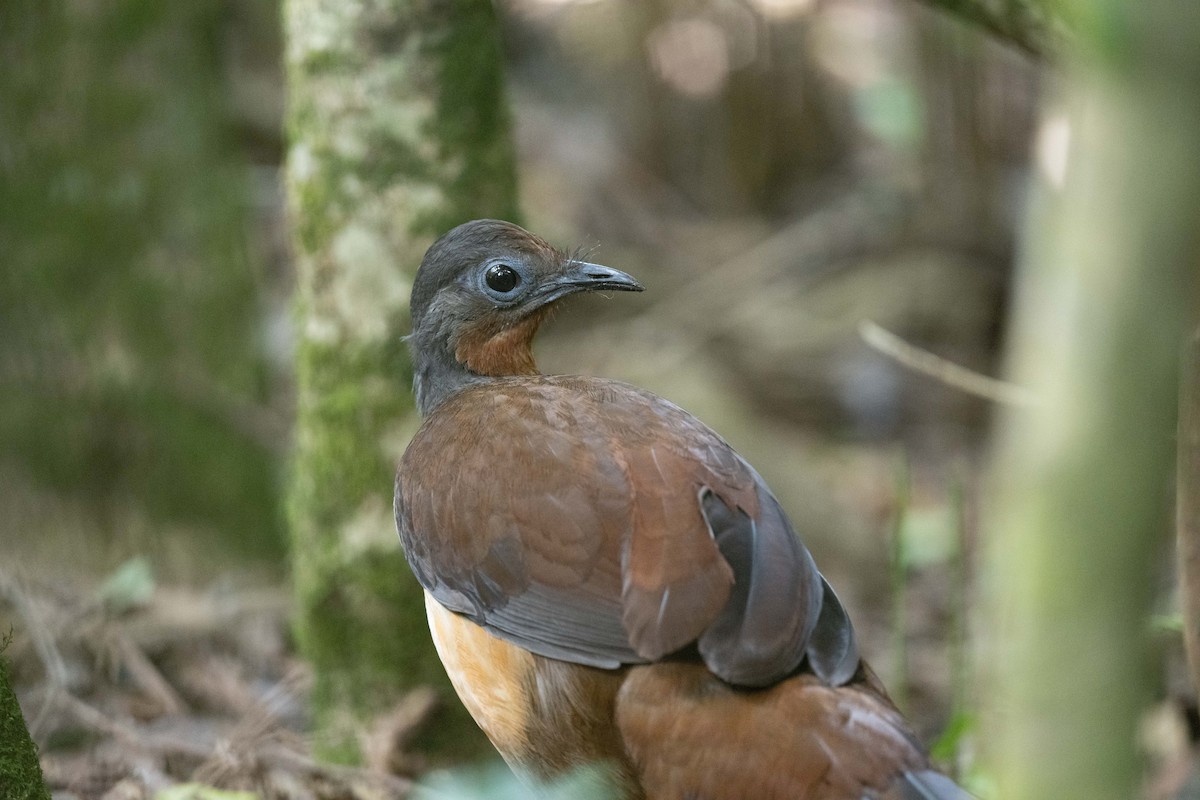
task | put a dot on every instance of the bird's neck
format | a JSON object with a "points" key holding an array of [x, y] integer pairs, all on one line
{"points": [[442, 367], [436, 378], [499, 352]]}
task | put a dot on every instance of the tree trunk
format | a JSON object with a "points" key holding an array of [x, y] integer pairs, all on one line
{"points": [[1187, 503], [397, 131], [1079, 506], [133, 389], [20, 773]]}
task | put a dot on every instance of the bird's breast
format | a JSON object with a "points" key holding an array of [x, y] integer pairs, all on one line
{"points": [[546, 717], [489, 675]]}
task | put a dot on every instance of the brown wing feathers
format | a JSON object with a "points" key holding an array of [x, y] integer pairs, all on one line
{"points": [[532, 553], [675, 580], [618, 540]]}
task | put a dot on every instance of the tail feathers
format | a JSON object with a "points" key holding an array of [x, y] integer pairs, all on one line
{"points": [[930, 785]]}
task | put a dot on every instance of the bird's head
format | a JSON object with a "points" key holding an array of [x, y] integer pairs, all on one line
{"points": [[483, 289]]}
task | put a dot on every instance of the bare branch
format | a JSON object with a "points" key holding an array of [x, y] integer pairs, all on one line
{"points": [[949, 373]]}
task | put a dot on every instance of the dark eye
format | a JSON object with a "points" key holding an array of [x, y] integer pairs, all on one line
{"points": [[502, 278]]}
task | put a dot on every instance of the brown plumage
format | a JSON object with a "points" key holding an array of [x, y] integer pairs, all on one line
{"points": [[607, 580]]}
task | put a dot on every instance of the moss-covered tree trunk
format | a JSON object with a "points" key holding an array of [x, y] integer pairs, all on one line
{"points": [[398, 130], [132, 382], [20, 774], [1082, 480]]}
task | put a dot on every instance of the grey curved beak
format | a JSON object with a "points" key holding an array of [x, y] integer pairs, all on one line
{"points": [[584, 276]]}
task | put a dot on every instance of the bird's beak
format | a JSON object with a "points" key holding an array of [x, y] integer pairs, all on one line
{"points": [[582, 276]]}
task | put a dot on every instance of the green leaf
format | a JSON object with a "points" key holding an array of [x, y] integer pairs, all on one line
{"points": [[928, 535], [1167, 623], [946, 748], [496, 782], [196, 791], [129, 586]]}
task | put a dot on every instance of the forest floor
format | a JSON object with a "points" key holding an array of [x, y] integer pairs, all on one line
{"points": [[135, 691]]}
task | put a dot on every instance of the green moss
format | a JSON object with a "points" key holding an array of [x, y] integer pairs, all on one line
{"points": [[366, 609], [20, 773], [129, 308], [363, 623], [471, 100], [399, 131]]}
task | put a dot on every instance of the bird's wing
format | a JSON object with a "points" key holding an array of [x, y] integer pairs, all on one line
{"points": [[926, 784], [515, 520], [593, 522]]}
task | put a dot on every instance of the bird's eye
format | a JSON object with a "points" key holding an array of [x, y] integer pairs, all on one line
{"points": [[501, 278]]}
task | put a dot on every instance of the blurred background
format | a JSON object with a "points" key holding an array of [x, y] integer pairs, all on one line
{"points": [[782, 175]]}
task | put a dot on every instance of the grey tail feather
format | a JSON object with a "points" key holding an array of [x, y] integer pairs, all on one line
{"points": [[929, 785]]}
